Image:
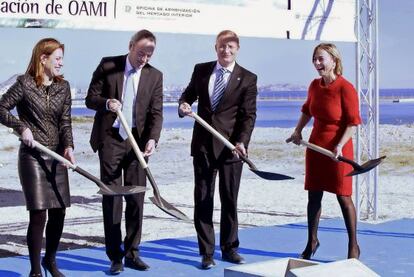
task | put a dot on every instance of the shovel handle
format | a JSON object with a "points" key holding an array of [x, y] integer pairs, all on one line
{"points": [[104, 189], [138, 153], [247, 160], [318, 149], [227, 143], [328, 153], [91, 177], [201, 121], [46, 150], [131, 140]]}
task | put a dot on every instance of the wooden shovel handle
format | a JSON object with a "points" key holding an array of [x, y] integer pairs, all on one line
{"points": [[51, 153], [138, 153], [328, 153], [219, 136], [317, 148], [201, 121], [131, 140]]}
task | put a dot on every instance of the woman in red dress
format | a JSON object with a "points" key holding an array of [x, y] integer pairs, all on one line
{"points": [[333, 103]]}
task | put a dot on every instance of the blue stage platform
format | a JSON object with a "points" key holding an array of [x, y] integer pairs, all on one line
{"points": [[386, 248]]}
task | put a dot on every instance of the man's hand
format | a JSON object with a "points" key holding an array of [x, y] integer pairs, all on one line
{"points": [[240, 149], [184, 109], [27, 137], [149, 148], [114, 105], [68, 154]]}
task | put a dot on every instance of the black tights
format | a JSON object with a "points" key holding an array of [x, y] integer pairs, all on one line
{"points": [[314, 213], [54, 230]]}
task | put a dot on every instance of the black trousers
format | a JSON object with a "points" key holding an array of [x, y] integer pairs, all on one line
{"points": [[229, 170], [120, 166]]}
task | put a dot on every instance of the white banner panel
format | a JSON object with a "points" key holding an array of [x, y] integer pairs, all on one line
{"points": [[332, 20]]}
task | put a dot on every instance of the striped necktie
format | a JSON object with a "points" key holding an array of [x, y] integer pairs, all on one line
{"points": [[219, 88], [128, 103]]}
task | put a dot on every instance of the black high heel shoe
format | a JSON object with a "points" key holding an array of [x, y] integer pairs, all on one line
{"points": [[358, 254], [50, 265], [35, 274], [306, 254]]}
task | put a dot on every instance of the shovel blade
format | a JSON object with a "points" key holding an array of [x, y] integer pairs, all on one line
{"points": [[270, 175], [366, 166], [121, 190], [168, 208]]}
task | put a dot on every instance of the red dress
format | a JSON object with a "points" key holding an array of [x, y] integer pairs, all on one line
{"points": [[333, 107]]}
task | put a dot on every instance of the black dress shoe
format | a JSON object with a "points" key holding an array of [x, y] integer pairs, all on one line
{"points": [[49, 265], [136, 263], [207, 262], [116, 267], [232, 257], [308, 253]]}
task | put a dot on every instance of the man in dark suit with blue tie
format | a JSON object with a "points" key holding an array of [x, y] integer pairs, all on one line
{"points": [[226, 94], [129, 83]]}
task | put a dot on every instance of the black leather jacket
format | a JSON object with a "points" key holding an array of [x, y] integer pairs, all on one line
{"points": [[45, 111]]}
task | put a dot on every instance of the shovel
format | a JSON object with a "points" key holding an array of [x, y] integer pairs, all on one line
{"points": [[157, 199], [358, 169], [228, 144], [104, 189]]}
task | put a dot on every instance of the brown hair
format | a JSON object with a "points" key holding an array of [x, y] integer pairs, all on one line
{"points": [[46, 47], [141, 35], [230, 34], [334, 52]]}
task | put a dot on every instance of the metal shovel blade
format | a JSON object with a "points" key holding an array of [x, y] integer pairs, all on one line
{"points": [[109, 190], [264, 174], [168, 208], [162, 203], [115, 191], [271, 175], [366, 166]]}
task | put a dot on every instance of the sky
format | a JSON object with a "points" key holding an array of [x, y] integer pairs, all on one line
{"points": [[275, 61]]}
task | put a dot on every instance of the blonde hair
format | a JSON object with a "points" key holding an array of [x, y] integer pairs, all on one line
{"points": [[35, 68], [334, 52]]}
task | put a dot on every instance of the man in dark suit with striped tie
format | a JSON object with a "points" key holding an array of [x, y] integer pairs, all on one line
{"points": [[130, 83], [226, 94]]}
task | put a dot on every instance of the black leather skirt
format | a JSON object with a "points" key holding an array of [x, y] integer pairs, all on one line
{"points": [[44, 180]]}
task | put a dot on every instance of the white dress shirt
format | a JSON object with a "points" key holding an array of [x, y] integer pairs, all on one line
{"points": [[213, 77], [135, 82]]}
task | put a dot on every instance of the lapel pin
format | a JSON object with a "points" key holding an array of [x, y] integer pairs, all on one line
{"points": [[238, 78]]}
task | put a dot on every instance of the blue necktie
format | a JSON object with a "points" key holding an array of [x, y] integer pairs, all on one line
{"points": [[128, 103], [219, 88]]}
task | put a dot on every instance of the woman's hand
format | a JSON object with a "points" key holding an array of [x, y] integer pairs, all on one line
{"points": [[68, 154], [296, 137], [27, 137], [337, 151]]}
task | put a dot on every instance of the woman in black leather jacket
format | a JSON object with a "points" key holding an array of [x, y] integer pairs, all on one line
{"points": [[43, 102]]}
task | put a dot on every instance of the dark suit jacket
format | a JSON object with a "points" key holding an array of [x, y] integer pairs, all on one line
{"points": [[107, 82], [235, 115]]}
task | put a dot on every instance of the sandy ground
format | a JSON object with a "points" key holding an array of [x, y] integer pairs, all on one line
{"points": [[261, 202]]}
